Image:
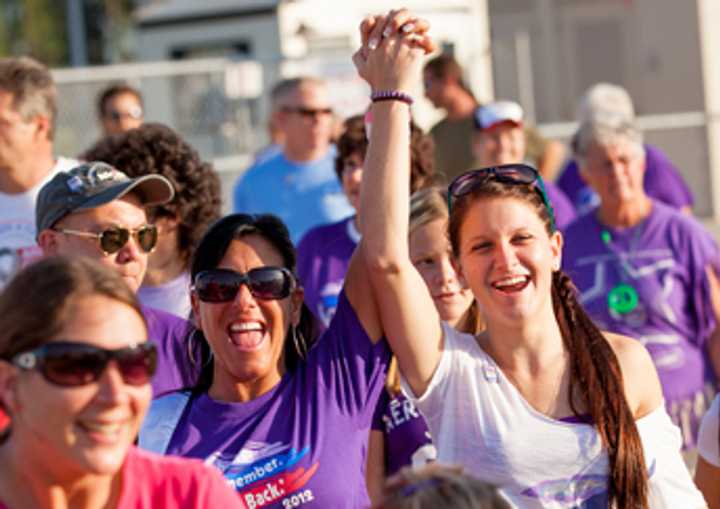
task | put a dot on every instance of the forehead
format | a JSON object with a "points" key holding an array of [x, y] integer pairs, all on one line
{"points": [[499, 214], [430, 236], [86, 324], [123, 98], [250, 251], [126, 211], [616, 147], [502, 129], [310, 94]]}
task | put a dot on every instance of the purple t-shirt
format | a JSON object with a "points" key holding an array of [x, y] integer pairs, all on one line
{"points": [[407, 438], [562, 207], [171, 334], [304, 442], [649, 282], [323, 257], [662, 182]]}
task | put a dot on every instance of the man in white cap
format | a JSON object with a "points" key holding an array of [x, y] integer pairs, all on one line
{"points": [[97, 211], [500, 138]]}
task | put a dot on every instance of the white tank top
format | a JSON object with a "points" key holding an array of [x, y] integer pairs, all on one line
{"points": [[479, 420]]}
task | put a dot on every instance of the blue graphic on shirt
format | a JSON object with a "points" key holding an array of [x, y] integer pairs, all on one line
{"points": [[579, 492]]}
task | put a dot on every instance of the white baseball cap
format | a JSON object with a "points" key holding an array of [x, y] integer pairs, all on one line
{"points": [[499, 112]]}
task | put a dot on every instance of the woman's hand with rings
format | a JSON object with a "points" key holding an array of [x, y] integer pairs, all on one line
{"points": [[392, 50]]}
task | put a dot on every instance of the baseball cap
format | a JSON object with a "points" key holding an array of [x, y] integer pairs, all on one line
{"points": [[92, 185], [495, 113]]}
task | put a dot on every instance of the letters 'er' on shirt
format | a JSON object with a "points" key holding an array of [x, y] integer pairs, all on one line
{"points": [[303, 443]]}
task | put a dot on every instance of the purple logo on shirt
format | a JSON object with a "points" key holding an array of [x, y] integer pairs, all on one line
{"points": [[581, 492]]}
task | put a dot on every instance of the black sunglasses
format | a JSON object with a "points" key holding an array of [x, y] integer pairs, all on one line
{"points": [[71, 364], [308, 112], [514, 174], [113, 239], [222, 285]]}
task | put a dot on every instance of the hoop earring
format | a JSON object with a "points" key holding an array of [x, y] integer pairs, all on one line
{"points": [[299, 342], [192, 339]]}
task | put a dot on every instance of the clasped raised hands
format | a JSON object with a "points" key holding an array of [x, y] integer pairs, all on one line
{"points": [[392, 51]]}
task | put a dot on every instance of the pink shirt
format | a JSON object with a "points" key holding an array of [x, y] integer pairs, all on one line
{"points": [[151, 481]]}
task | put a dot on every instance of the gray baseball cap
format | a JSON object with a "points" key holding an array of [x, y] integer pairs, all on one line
{"points": [[92, 185]]}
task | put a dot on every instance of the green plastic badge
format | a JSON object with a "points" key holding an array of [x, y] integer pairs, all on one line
{"points": [[623, 299]]}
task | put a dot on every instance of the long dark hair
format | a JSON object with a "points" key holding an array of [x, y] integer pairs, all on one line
{"points": [[595, 375], [211, 250]]}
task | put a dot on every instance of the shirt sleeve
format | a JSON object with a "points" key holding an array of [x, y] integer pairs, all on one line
{"points": [[350, 365], [670, 484], [709, 435]]}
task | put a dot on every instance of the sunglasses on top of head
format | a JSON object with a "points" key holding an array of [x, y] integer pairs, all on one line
{"points": [[223, 285], [512, 174], [113, 239], [71, 364]]}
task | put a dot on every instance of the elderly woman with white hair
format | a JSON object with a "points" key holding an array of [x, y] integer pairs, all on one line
{"points": [[645, 270], [605, 102]]}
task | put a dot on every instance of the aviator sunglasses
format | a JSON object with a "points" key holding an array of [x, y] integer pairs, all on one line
{"points": [[513, 174], [113, 239], [71, 364], [222, 285]]}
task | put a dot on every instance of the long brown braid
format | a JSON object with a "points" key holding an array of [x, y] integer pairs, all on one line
{"points": [[595, 375]]}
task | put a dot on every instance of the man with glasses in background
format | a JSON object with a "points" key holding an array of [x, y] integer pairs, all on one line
{"points": [[120, 108], [28, 108], [97, 211], [299, 184]]}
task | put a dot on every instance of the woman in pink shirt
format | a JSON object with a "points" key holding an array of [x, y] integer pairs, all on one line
{"points": [[75, 370]]}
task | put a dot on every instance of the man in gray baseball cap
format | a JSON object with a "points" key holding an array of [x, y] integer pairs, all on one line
{"points": [[97, 211]]}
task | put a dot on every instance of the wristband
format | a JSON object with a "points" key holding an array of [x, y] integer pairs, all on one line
{"points": [[391, 95]]}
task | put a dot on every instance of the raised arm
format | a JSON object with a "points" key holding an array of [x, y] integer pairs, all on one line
{"points": [[391, 60]]}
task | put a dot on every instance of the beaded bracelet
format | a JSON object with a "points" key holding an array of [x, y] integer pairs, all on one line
{"points": [[391, 95]]}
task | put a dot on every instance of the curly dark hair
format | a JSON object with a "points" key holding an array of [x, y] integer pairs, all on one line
{"points": [[353, 140], [155, 148]]}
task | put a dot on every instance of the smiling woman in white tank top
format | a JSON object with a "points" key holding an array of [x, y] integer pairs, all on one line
{"points": [[556, 413]]}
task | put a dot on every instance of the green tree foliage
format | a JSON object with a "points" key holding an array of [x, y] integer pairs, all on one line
{"points": [[36, 28]]}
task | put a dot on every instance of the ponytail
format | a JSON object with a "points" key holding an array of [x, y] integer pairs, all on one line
{"points": [[595, 377]]}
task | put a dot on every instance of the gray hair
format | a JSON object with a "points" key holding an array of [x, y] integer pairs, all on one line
{"points": [[283, 88], [32, 88], [605, 133], [427, 205], [606, 102]]}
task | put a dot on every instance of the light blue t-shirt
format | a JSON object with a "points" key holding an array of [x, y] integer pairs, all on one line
{"points": [[303, 195]]}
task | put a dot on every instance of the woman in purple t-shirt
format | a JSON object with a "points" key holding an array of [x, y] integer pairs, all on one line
{"points": [[285, 423], [646, 270]]}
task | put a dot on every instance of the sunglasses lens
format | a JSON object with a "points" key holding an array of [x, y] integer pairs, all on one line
{"points": [[113, 240], [72, 366], [217, 285], [147, 238], [269, 283], [517, 174], [137, 365]]}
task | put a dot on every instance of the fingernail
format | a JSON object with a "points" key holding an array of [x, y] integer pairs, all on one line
{"points": [[373, 44], [409, 27], [387, 32]]}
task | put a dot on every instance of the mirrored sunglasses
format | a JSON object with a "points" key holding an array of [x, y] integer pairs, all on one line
{"points": [[223, 285], [512, 174], [113, 239], [71, 364]]}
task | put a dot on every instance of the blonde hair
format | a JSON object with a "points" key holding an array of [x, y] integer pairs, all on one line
{"points": [[436, 486], [428, 205]]}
